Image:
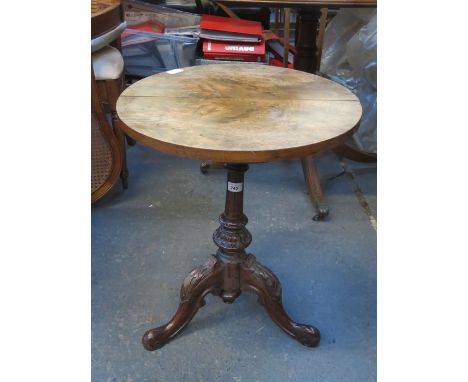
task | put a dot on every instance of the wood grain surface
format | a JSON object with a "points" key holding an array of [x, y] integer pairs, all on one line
{"points": [[238, 113]]}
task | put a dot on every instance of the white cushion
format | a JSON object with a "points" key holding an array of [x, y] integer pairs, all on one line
{"points": [[106, 38], [108, 63]]}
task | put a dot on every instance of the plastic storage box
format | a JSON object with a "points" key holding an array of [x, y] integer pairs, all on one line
{"points": [[147, 53]]}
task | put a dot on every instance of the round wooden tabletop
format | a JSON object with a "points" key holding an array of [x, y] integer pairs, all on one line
{"points": [[238, 113]]}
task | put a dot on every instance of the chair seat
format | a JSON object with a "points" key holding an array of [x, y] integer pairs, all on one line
{"points": [[108, 63]]}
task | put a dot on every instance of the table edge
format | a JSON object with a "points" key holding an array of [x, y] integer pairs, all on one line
{"points": [[239, 156]]}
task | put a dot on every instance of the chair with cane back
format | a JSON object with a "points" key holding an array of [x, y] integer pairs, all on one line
{"points": [[108, 141]]}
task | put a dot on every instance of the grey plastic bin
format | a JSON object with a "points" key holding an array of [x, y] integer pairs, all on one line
{"points": [[147, 53]]}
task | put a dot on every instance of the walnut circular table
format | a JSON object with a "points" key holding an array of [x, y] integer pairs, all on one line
{"points": [[236, 114]]}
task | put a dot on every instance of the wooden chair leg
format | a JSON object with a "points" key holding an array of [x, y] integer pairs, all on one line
{"points": [[121, 138], [314, 188]]}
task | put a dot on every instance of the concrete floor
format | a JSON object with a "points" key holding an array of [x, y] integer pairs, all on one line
{"points": [[146, 239]]}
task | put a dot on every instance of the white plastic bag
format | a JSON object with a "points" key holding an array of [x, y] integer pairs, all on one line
{"points": [[349, 57]]}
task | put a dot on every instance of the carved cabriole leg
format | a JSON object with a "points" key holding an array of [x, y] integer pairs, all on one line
{"points": [[199, 282], [260, 280]]}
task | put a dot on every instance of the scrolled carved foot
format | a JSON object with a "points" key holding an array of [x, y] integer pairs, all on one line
{"points": [[154, 339], [307, 335], [260, 280], [199, 282]]}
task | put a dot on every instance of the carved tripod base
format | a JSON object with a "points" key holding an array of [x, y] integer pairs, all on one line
{"points": [[214, 277], [229, 273]]}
